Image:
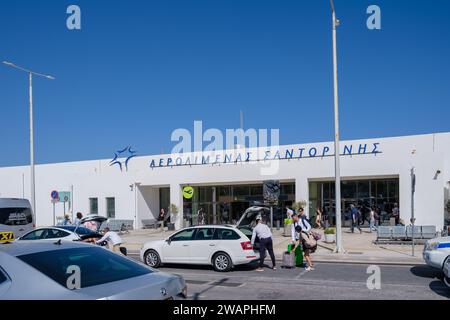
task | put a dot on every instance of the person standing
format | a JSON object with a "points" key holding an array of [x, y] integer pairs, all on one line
{"points": [[112, 237], [355, 218], [78, 218], [162, 214], [201, 217], [262, 231], [289, 212], [301, 224], [318, 218], [66, 221], [396, 213]]}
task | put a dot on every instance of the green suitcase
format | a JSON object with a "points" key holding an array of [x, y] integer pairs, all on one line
{"points": [[298, 254]]}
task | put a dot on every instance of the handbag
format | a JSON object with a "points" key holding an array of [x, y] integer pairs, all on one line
{"points": [[317, 236]]}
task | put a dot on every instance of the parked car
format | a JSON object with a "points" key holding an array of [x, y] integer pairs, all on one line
{"points": [[67, 233], [16, 218], [221, 246], [447, 271], [41, 270], [436, 252]]}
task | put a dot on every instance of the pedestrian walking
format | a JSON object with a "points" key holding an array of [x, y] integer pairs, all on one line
{"points": [[78, 218], [301, 225], [372, 220], [355, 218], [262, 231]]}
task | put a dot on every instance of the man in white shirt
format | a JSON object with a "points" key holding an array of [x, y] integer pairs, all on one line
{"points": [[112, 237], [262, 231], [301, 224]]}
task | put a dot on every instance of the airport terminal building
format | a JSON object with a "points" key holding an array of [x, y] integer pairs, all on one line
{"points": [[375, 172]]}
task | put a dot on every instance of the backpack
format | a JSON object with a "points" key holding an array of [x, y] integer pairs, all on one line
{"points": [[308, 240]]}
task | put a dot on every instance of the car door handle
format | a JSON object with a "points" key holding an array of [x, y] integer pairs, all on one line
{"points": [[21, 229], [212, 245], [185, 245]]}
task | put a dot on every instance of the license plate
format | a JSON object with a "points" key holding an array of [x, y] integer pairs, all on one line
{"points": [[6, 236]]}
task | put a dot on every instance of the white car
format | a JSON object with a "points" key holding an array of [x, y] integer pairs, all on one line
{"points": [[447, 271], [221, 246], [66, 233], [436, 251]]}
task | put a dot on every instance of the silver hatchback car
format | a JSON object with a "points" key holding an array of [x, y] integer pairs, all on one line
{"points": [[67, 270]]}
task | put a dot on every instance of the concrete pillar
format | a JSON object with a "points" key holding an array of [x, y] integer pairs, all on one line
{"points": [[176, 198], [302, 192]]}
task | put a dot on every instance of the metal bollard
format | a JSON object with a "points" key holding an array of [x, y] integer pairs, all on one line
{"points": [[278, 224]]}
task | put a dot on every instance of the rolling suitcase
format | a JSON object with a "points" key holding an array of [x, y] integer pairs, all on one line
{"points": [[288, 260]]}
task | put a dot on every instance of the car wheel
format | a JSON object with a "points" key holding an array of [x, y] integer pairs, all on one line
{"points": [[222, 262], [447, 281], [152, 259]]}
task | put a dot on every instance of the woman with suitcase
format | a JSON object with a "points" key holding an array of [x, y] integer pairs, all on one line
{"points": [[301, 234]]}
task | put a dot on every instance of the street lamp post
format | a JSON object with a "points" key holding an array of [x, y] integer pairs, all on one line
{"points": [[30, 79], [339, 248]]}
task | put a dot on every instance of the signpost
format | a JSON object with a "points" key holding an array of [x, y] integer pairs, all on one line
{"points": [[54, 195], [60, 196], [188, 192], [413, 219], [271, 194], [64, 196]]}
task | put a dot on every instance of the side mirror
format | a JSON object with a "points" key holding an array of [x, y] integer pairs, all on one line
{"points": [[168, 240]]}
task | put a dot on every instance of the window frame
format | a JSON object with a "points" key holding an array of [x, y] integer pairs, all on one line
{"points": [[90, 205], [107, 199]]}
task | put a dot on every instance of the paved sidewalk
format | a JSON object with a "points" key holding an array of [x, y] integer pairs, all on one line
{"points": [[359, 247]]}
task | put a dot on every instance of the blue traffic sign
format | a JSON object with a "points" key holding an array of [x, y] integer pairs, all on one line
{"points": [[54, 195]]}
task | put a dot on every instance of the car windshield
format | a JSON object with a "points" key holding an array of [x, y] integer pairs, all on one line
{"points": [[97, 265], [79, 230]]}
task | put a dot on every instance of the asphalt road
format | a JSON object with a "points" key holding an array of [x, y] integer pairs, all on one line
{"points": [[327, 281]]}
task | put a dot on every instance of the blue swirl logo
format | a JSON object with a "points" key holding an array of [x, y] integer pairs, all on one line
{"points": [[123, 157]]}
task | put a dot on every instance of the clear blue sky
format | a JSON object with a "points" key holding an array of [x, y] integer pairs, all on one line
{"points": [[139, 69]]}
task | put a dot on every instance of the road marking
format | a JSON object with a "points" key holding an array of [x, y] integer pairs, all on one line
{"points": [[301, 274]]}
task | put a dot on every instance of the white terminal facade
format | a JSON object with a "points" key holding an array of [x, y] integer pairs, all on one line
{"points": [[375, 172]]}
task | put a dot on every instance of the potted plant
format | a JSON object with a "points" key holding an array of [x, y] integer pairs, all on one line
{"points": [[173, 209], [330, 235], [287, 227], [300, 204]]}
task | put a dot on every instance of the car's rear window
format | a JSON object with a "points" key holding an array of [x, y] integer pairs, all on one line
{"points": [[225, 234], [97, 265]]}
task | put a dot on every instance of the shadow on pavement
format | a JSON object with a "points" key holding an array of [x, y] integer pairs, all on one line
{"points": [[440, 288], [196, 295], [427, 272], [245, 267]]}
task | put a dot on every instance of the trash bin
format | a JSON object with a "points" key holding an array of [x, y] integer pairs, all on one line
{"points": [[171, 226]]}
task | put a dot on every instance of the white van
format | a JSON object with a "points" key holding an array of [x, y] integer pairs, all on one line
{"points": [[16, 218]]}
